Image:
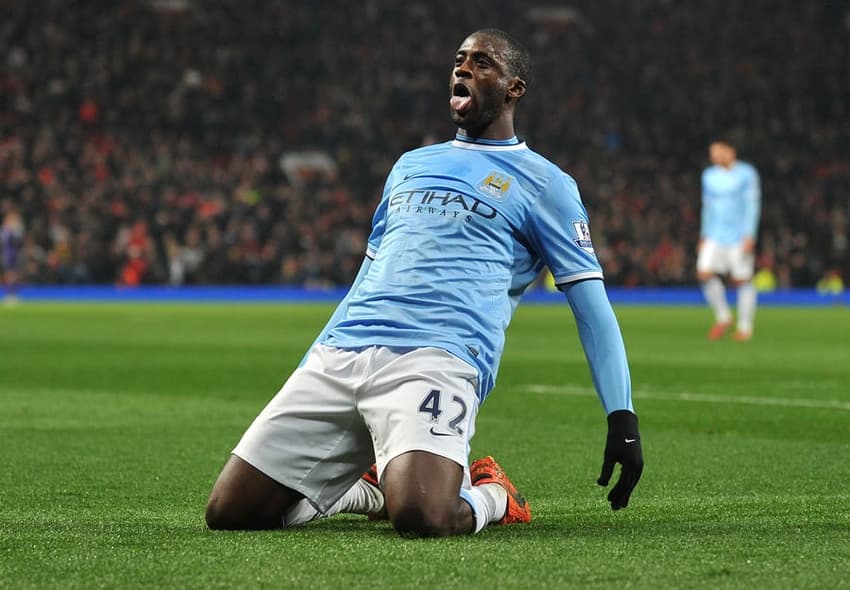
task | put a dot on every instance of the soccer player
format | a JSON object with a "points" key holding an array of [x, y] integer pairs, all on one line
{"points": [[400, 369], [11, 240], [731, 203]]}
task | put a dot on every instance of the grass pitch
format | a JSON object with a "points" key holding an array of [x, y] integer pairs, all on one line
{"points": [[115, 420]]}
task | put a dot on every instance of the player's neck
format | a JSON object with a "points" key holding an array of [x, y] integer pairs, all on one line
{"points": [[500, 129]]}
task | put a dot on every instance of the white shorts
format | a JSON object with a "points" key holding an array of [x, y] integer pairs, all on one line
{"points": [[345, 409], [722, 260]]}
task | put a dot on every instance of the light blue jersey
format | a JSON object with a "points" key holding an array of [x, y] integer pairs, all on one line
{"points": [[461, 231], [731, 203]]}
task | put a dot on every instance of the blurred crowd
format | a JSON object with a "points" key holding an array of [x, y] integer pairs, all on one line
{"points": [[142, 142]]}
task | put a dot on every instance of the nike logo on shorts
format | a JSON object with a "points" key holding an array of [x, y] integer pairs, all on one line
{"points": [[435, 433]]}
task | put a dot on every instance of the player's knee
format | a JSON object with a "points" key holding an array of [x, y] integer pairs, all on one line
{"points": [[219, 516], [412, 519], [243, 498], [215, 516], [226, 514]]}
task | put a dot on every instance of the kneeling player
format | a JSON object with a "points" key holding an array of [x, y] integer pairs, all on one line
{"points": [[399, 372]]}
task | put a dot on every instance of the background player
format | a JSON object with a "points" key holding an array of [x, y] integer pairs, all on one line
{"points": [[11, 240], [731, 203], [398, 373]]}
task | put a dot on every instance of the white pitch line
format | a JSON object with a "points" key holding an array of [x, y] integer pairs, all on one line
{"points": [[686, 396]]}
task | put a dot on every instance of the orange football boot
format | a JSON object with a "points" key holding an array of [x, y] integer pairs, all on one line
{"points": [[742, 336], [486, 470], [718, 330]]}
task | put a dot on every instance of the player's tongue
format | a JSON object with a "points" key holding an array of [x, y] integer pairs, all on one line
{"points": [[460, 104]]}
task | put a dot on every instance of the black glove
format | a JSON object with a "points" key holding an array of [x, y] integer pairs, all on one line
{"points": [[623, 447]]}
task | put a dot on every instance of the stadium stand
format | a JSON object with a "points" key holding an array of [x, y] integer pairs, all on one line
{"points": [[198, 142]]}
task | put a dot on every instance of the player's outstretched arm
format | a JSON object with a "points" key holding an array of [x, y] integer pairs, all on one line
{"points": [[606, 355]]}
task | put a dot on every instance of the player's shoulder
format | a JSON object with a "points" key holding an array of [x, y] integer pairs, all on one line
{"points": [[414, 157], [425, 150], [747, 168], [557, 180]]}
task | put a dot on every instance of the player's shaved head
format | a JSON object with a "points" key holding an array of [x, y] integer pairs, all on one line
{"points": [[490, 75], [517, 57]]}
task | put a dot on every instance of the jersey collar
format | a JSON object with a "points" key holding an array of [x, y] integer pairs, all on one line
{"points": [[468, 143]]}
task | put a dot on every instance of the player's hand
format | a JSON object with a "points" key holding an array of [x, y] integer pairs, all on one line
{"points": [[623, 447], [748, 245]]}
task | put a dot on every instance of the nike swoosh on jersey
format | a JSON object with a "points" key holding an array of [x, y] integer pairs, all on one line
{"points": [[416, 172]]}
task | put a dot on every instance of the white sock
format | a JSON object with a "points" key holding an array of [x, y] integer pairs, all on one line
{"points": [[361, 498], [747, 299], [488, 501], [715, 294], [303, 512]]}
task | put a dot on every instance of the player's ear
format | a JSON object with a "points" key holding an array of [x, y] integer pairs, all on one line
{"points": [[516, 88]]}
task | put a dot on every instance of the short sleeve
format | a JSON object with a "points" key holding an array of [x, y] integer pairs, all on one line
{"points": [[558, 229]]}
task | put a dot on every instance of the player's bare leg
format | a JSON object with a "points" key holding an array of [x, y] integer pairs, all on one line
{"points": [[715, 294], [422, 496], [245, 498]]}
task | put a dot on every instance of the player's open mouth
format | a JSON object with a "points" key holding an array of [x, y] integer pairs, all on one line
{"points": [[461, 99]]}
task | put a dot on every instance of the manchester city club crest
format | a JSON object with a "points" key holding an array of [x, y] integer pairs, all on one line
{"points": [[496, 184]]}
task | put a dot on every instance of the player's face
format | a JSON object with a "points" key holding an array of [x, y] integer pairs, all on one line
{"points": [[479, 82], [721, 154]]}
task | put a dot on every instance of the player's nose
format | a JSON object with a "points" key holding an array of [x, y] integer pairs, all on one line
{"points": [[462, 70]]}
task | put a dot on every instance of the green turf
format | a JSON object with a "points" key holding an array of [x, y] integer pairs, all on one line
{"points": [[115, 419]]}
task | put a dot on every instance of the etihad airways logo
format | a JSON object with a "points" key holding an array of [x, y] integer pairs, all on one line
{"points": [[443, 203]]}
